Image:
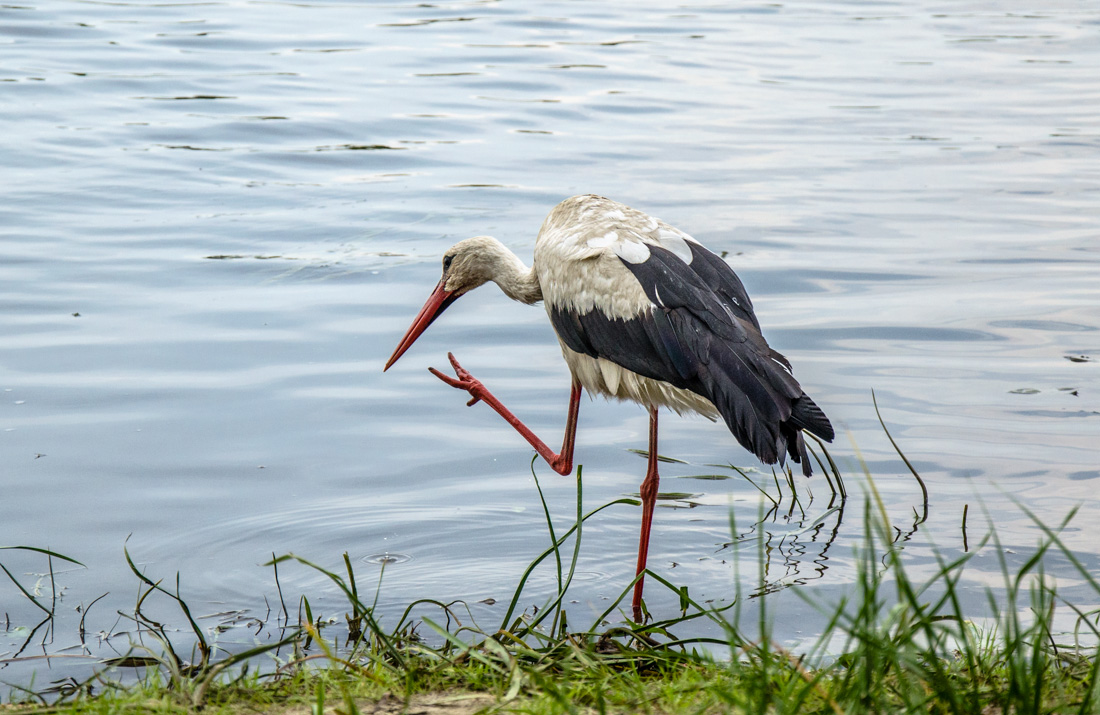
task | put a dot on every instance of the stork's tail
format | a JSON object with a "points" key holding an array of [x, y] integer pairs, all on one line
{"points": [[805, 415], [762, 403]]}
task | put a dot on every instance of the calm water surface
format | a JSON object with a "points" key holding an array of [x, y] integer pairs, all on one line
{"points": [[219, 218]]}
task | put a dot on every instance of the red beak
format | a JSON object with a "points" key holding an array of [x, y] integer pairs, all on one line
{"points": [[438, 301]]}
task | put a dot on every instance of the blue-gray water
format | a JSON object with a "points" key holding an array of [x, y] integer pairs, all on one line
{"points": [[219, 218]]}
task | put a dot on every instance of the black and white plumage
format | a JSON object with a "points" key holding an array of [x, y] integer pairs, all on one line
{"points": [[645, 313]]}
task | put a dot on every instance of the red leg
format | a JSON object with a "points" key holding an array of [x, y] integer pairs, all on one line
{"points": [[561, 463], [648, 493]]}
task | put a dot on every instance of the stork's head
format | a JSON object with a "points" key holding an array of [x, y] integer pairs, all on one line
{"points": [[466, 265]]}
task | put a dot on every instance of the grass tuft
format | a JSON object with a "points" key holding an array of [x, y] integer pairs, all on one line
{"points": [[892, 643]]}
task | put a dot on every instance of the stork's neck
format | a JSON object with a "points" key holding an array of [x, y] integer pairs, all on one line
{"points": [[514, 278]]}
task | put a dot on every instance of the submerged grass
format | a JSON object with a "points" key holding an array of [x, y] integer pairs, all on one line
{"points": [[893, 644]]}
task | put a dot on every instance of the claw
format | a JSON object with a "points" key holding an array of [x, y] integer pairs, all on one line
{"points": [[463, 373], [446, 378], [465, 381]]}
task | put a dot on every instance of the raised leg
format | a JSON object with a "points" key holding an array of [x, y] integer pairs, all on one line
{"points": [[648, 493], [562, 463]]}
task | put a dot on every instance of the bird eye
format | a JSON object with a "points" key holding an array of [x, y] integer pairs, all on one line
{"points": [[447, 262]]}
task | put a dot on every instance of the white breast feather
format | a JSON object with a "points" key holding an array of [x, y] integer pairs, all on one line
{"points": [[601, 377], [611, 374]]}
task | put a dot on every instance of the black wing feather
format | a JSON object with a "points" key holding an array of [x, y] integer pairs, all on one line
{"points": [[702, 335], [727, 285]]}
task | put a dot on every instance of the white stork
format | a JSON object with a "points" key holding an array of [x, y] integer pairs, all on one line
{"points": [[643, 312]]}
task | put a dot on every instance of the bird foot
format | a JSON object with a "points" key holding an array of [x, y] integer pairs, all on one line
{"points": [[465, 381]]}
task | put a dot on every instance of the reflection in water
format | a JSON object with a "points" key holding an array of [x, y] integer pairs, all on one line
{"points": [[793, 545], [796, 554], [804, 541]]}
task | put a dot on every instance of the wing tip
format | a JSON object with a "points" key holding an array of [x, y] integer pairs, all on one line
{"points": [[805, 414]]}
